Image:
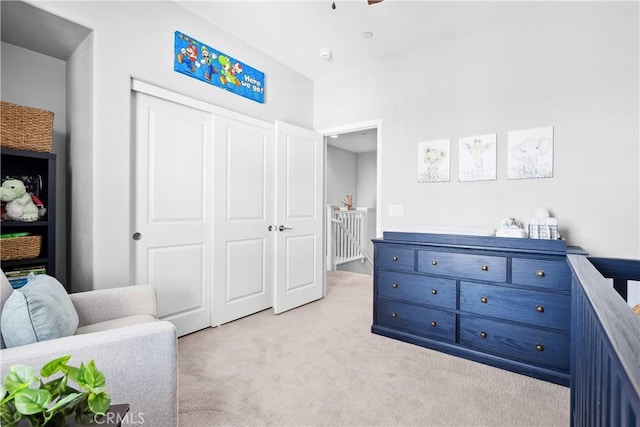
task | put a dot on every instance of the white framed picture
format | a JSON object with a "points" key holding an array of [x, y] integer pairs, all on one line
{"points": [[530, 153], [433, 160], [477, 158]]}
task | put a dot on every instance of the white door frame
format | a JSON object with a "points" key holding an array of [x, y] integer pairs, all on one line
{"points": [[354, 127]]}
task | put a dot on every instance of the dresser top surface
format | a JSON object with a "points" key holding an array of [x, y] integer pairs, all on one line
{"points": [[479, 242]]}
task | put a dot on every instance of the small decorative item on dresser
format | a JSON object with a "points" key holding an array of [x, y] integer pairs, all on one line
{"points": [[26, 128], [511, 227], [636, 309], [543, 226]]}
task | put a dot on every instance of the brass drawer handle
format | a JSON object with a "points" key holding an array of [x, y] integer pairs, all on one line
{"points": [[434, 323], [434, 292], [483, 334], [540, 273], [540, 309], [394, 314], [434, 262], [395, 285], [484, 300], [395, 258], [485, 268], [539, 347]]}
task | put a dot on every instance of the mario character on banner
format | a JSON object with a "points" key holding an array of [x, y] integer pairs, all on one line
{"points": [[202, 62]]}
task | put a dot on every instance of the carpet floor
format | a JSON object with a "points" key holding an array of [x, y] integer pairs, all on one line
{"points": [[320, 365]]}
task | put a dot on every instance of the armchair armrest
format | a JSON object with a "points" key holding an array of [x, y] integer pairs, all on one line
{"points": [[139, 363], [108, 304]]}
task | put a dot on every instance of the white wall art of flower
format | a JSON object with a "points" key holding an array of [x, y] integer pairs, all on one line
{"points": [[530, 153], [477, 158], [433, 160]]}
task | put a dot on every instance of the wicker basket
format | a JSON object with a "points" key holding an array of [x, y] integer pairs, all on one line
{"points": [[25, 247], [26, 128]]}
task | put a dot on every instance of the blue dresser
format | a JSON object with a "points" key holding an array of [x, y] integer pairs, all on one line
{"points": [[505, 302]]}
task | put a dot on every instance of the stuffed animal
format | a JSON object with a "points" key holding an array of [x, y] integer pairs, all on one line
{"points": [[20, 205]]}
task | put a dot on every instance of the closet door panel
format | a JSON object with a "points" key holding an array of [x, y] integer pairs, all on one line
{"points": [[299, 243], [170, 232], [243, 210]]}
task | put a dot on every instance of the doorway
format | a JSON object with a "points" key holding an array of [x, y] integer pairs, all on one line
{"points": [[352, 169]]}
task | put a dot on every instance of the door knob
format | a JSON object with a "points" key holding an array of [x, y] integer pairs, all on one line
{"points": [[136, 236], [282, 228], [271, 228]]}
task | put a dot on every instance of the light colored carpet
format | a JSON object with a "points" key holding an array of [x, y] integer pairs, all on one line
{"points": [[320, 365]]}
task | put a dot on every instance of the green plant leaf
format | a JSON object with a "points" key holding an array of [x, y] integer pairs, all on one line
{"points": [[93, 377], [80, 376], [9, 416], [72, 373], [31, 401], [99, 402], [54, 366], [67, 401], [19, 377]]}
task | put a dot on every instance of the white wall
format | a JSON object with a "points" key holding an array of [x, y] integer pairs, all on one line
{"points": [[81, 165], [366, 179], [35, 80], [341, 176], [573, 65], [135, 39]]}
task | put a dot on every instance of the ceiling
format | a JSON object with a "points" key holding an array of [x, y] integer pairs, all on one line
{"points": [[31, 28], [294, 32], [361, 141]]}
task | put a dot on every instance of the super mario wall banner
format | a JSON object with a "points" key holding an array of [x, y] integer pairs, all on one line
{"points": [[202, 62]]}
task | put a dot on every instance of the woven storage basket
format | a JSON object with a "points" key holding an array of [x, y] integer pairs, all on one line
{"points": [[25, 247], [26, 128]]}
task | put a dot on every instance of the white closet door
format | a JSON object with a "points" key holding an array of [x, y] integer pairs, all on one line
{"points": [[172, 227], [300, 208], [244, 167]]}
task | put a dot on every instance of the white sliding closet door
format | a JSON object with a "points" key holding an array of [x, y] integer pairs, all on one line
{"points": [[229, 211], [300, 210], [172, 197], [244, 208]]}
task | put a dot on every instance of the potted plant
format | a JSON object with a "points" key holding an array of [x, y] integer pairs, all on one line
{"points": [[26, 396]]}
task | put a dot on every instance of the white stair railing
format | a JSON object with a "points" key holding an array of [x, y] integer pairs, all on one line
{"points": [[349, 232]]}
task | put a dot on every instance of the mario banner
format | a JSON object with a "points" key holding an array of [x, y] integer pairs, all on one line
{"points": [[202, 62]]}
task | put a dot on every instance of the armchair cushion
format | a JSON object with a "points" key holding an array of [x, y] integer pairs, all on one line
{"points": [[116, 323], [41, 310]]}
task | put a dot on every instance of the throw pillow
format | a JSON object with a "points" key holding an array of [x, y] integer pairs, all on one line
{"points": [[41, 310]]}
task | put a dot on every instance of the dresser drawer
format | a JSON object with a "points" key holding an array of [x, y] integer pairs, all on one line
{"points": [[469, 266], [542, 273], [546, 348], [394, 258], [537, 308], [417, 289], [416, 320]]}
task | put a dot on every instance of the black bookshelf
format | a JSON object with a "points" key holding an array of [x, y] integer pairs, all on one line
{"points": [[32, 163]]}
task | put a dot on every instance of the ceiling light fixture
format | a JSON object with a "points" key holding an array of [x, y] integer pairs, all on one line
{"points": [[367, 34], [325, 54], [333, 136]]}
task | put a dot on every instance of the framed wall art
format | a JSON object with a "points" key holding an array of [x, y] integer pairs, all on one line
{"points": [[477, 158], [202, 62], [530, 153], [434, 160]]}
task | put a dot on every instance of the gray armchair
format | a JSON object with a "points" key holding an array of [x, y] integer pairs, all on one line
{"points": [[118, 328]]}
